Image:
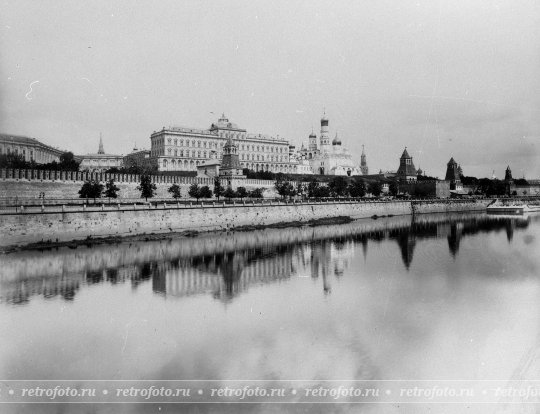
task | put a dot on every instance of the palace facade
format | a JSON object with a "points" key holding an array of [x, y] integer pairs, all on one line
{"points": [[30, 148], [183, 149], [99, 162]]}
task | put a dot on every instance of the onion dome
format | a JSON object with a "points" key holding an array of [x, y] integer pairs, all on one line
{"points": [[336, 141]]}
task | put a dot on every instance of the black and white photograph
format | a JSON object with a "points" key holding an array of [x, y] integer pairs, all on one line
{"points": [[248, 206]]}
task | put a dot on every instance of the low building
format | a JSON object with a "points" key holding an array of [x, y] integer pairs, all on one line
{"points": [[209, 168], [29, 148], [138, 158], [99, 162]]}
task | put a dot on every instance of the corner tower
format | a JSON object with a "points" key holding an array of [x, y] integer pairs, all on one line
{"points": [[406, 170]]}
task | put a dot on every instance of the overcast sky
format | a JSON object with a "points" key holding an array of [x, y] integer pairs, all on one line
{"points": [[445, 78]]}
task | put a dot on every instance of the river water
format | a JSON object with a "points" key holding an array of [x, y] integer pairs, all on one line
{"points": [[437, 297]]}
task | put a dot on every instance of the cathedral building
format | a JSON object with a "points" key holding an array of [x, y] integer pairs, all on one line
{"points": [[183, 149], [330, 157]]}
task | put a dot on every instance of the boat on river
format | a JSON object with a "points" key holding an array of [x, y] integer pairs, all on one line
{"points": [[513, 207]]}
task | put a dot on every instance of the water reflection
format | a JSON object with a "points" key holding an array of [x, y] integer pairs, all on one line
{"points": [[225, 265]]}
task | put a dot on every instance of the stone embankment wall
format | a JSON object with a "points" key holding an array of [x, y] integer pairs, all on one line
{"points": [[66, 224]]}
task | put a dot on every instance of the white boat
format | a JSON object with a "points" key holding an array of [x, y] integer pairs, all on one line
{"points": [[508, 208]]}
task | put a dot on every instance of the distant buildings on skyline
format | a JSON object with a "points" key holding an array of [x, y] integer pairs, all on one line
{"points": [[189, 149]]}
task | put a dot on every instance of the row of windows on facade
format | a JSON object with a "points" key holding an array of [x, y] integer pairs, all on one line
{"points": [[213, 144], [40, 155], [257, 167], [100, 161], [203, 154]]}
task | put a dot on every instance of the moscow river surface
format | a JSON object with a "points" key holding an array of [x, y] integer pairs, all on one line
{"points": [[437, 297]]}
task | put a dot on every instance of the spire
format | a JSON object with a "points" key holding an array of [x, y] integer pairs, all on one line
{"points": [[363, 149], [405, 154], [101, 150]]}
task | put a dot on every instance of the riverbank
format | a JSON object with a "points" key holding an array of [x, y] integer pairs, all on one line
{"points": [[61, 224]]}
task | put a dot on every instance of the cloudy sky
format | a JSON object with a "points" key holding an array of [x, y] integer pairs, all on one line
{"points": [[445, 78]]}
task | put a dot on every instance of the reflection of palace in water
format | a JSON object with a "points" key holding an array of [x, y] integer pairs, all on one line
{"points": [[226, 265]]}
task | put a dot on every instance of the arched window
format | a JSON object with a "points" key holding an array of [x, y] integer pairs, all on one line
{"points": [[175, 142]]}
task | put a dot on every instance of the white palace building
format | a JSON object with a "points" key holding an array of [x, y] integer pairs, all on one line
{"points": [[183, 149]]}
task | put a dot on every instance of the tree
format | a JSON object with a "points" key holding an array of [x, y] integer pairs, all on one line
{"points": [[91, 189], [146, 187], [241, 192], [323, 192], [338, 186], [175, 190], [313, 188], [300, 189], [194, 191], [12, 160], [357, 188], [375, 188], [229, 193], [205, 192], [284, 188], [393, 188], [68, 163], [256, 193], [111, 189], [218, 188]]}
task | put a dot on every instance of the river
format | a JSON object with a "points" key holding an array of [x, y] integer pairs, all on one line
{"points": [[429, 298]]}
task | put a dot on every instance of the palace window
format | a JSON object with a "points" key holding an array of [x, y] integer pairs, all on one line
{"points": [[175, 142], [169, 140]]}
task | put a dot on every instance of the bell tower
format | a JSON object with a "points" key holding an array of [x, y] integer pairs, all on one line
{"points": [[325, 136]]}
